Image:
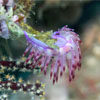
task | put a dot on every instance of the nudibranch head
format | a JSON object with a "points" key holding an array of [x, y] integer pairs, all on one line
{"points": [[67, 55]]}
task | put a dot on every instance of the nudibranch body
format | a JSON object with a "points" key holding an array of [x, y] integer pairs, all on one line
{"points": [[67, 54]]}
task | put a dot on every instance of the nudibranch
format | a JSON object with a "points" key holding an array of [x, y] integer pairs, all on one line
{"points": [[68, 53]]}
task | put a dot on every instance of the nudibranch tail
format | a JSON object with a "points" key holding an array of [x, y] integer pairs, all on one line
{"points": [[67, 55]]}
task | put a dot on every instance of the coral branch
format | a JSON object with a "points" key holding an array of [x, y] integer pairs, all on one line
{"points": [[36, 88], [17, 65]]}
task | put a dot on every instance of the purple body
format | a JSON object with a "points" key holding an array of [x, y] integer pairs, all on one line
{"points": [[67, 55]]}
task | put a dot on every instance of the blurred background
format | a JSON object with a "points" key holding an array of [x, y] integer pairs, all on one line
{"points": [[84, 17]]}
